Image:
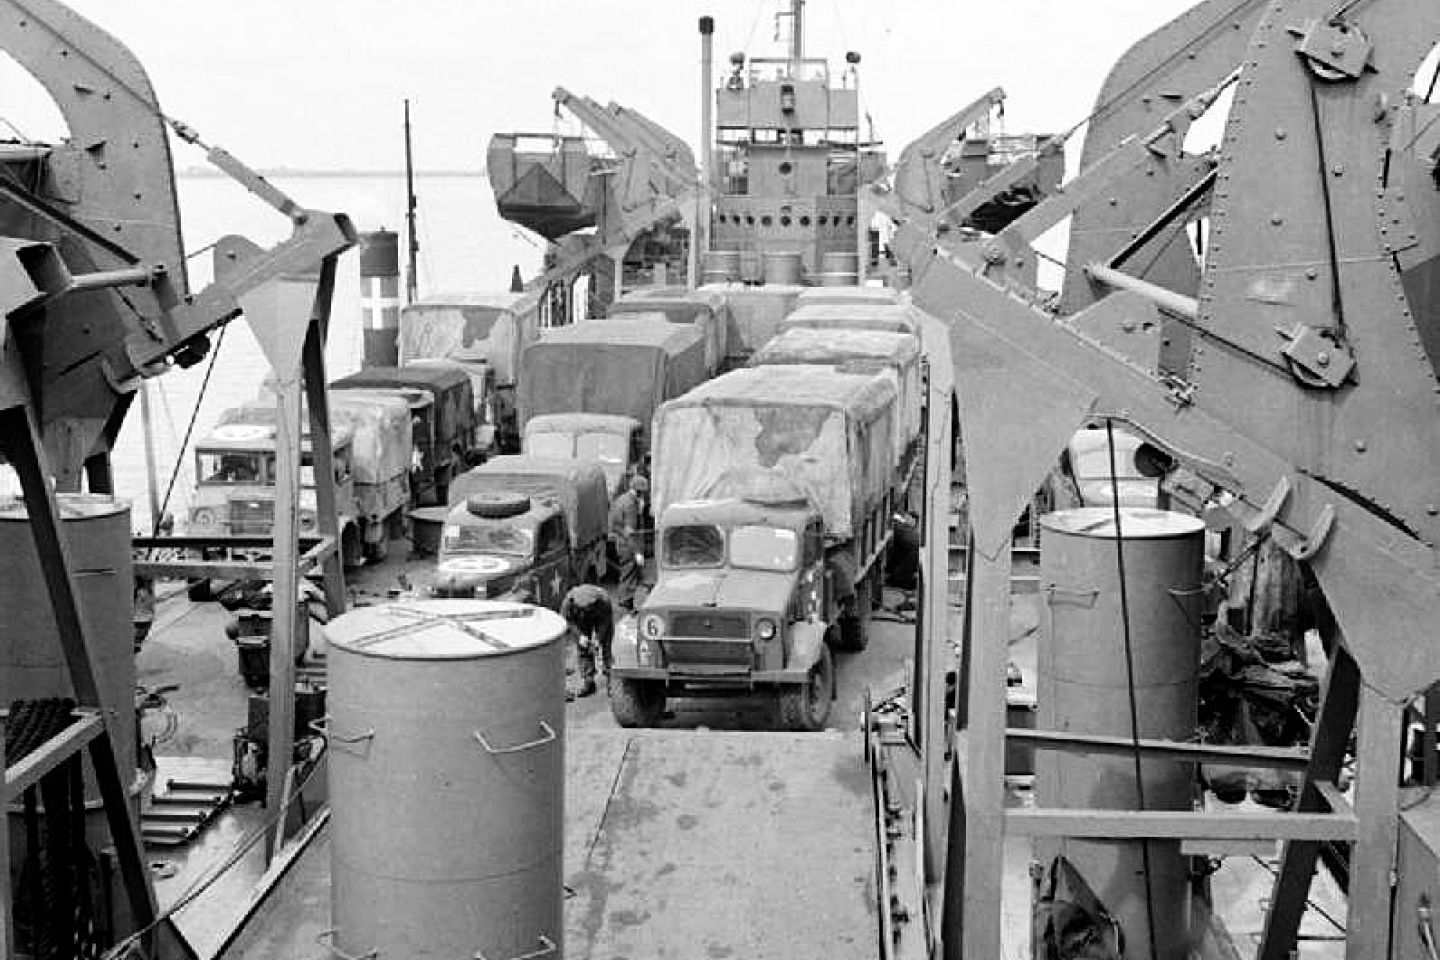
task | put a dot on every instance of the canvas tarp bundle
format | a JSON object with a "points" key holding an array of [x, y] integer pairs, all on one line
{"points": [[381, 424], [626, 366], [817, 432], [897, 351], [578, 485]]}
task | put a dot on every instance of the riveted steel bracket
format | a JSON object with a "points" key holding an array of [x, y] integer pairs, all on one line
{"points": [[1265, 516], [1314, 358], [1333, 49]]}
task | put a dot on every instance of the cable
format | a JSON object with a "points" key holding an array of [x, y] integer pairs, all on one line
{"points": [[1130, 673], [189, 430]]}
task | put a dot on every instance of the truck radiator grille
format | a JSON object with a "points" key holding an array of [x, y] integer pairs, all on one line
{"points": [[251, 518], [709, 624], [728, 653]]}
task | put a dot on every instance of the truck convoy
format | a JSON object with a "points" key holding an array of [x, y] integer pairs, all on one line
{"points": [[774, 491], [524, 528]]}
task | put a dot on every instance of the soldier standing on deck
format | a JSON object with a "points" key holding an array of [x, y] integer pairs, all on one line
{"points": [[625, 532]]}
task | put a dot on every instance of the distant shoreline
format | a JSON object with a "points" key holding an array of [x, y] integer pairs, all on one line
{"points": [[200, 173]]}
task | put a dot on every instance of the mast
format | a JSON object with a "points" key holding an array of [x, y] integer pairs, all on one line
{"points": [[797, 31], [411, 284], [700, 235]]}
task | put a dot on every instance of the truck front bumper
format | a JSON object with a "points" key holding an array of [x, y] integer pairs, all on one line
{"points": [[718, 677]]}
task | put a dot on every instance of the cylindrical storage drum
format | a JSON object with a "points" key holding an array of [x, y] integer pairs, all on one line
{"points": [[1082, 687], [783, 266], [32, 663], [721, 266], [426, 526], [447, 774], [839, 268]]}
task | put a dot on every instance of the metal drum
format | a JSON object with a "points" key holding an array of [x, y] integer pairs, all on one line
{"points": [[783, 267], [447, 780], [721, 266], [839, 268], [1082, 688], [32, 664]]}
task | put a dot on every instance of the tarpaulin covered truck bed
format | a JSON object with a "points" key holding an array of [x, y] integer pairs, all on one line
{"points": [[493, 328], [627, 366], [897, 351], [578, 485], [382, 448], [699, 308], [821, 432], [895, 317]]}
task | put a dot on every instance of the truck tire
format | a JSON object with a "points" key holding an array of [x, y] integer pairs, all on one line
{"points": [[636, 703], [497, 506], [806, 706]]}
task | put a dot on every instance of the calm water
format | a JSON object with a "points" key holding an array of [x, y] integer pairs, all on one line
{"points": [[464, 245]]}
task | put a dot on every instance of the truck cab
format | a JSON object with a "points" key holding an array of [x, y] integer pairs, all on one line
{"points": [[610, 440], [235, 485], [507, 546], [523, 528], [741, 600]]}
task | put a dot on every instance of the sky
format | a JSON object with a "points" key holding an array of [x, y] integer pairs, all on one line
{"points": [[320, 83]]}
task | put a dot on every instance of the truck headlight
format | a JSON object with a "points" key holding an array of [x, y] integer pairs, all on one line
{"points": [[202, 517], [647, 653], [307, 519], [652, 626], [765, 628]]}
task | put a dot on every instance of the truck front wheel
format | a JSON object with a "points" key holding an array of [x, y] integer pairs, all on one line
{"points": [[806, 706], [636, 703]]}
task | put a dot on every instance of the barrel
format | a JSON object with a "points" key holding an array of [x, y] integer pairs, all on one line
{"points": [[839, 268], [447, 772], [426, 526], [783, 267], [1082, 688], [96, 529], [721, 266]]}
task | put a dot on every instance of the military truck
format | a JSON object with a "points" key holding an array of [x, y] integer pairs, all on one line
{"points": [[625, 366], [371, 447], [705, 310], [442, 421], [609, 440], [524, 528], [483, 334], [774, 489]]}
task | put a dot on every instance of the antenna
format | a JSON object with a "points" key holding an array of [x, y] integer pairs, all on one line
{"points": [[411, 284]]}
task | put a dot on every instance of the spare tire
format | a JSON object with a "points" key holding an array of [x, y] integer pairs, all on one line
{"points": [[497, 506]]}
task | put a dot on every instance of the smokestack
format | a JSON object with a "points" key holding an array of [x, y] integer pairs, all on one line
{"points": [[700, 236], [380, 297]]}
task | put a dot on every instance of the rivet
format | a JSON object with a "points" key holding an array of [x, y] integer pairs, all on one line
{"points": [[1228, 459], [1276, 219], [1280, 133], [1360, 446], [1323, 358], [1432, 509], [1338, 169], [1311, 273]]}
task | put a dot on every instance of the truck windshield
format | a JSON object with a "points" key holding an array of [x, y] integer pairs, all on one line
{"points": [[485, 538], [229, 467], [695, 546], [763, 548]]}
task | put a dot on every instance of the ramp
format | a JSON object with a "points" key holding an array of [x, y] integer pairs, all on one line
{"points": [[696, 844], [678, 844]]}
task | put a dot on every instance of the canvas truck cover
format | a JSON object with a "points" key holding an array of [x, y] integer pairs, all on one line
{"points": [[896, 351], [381, 426], [454, 405], [704, 309], [894, 317], [579, 486], [852, 295], [626, 366], [492, 328], [816, 430]]}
